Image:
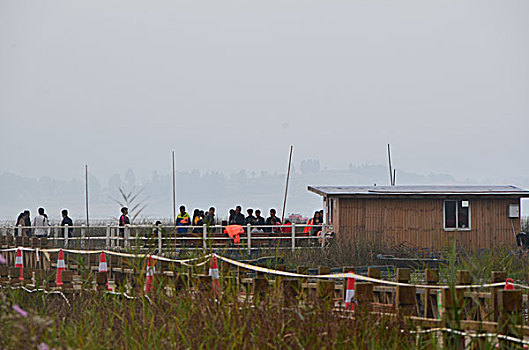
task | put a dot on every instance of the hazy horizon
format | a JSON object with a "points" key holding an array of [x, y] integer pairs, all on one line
{"points": [[196, 189]]}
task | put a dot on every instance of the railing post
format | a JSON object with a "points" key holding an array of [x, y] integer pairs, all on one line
{"points": [[18, 231], [204, 236], [323, 235], [127, 237], [4, 230], [293, 237], [160, 241], [249, 237], [107, 240], [83, 235], [65, 230], [113, 237]]}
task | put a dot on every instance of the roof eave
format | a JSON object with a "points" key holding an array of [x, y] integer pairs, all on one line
{"points": [[312, 189]]}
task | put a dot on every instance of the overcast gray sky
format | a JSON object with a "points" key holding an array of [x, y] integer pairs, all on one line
{"points": [[231, 84]]}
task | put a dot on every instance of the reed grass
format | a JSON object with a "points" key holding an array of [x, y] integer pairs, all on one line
{"points": [[187, 321], [191, 318]]}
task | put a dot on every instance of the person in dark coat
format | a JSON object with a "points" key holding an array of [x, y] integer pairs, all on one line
{"points": [[66, 220], [24, 219], [209, 219], [316, 220], [259, 220], [273, 220], [198, 220], [250, 219], [238, 218]]}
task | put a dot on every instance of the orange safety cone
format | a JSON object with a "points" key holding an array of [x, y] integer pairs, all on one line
{"points": [[214, 274], [61, 266], [350, 293], [149, 274], [19, 263], [509, 284], [103, 267]]}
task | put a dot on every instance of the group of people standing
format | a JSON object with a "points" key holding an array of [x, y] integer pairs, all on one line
{"points": [[236, 217], [183, 219], [40, 223]]}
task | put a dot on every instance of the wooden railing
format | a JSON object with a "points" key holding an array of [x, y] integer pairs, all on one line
{"points": [[164, 237]]}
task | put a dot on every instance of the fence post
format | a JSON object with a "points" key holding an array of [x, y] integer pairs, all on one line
{"points": [[83, 235], [18, 231], [510, 315], [127, 237], [406, 301], [204, 236], [160, 240], [65, 235], [432, 277], [113, 237], [364, 295], [4, 230], [373, 272], [496, 277], [249, 237], [323, 235], [107, 239], [293, 237]]}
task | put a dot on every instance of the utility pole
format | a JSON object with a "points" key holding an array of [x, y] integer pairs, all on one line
{"points": [[391, 178], [86, 195], [286, 185], [174, 191]]}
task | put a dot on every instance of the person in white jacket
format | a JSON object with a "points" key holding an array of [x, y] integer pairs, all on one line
{"points": [[39, 223]]}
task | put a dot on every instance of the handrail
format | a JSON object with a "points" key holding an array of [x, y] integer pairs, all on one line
{"points": [[115, 236]]}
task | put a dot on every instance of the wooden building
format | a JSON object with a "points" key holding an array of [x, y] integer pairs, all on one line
{"points": [[425, 216]]}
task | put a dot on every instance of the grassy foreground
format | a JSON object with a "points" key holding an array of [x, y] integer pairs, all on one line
{"points": [[187, 320], [191, 318]]}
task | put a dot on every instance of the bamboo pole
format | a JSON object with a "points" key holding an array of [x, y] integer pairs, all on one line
{"points": [[174, 190], [86, 195], [286, 185]]}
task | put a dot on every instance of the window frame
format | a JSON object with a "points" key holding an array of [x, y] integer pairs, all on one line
{"points": [[457, 228]]}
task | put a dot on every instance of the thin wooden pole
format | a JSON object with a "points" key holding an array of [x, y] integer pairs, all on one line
{"points": [[390, 169], [174, 191], [286, 185], [86, 195]]}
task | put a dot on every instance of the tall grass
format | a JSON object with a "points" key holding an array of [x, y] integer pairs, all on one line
{"points": [[188, 316], [188, 320], [342, 251]]}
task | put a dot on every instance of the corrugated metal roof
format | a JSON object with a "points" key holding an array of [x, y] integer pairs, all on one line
{"points": [[419, 190]]}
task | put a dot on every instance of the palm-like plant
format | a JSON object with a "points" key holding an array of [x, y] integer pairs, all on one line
{"points": [[131, 200]]}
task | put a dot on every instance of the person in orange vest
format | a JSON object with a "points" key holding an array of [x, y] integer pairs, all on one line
{"points": [[307, 229], [183, 219]]}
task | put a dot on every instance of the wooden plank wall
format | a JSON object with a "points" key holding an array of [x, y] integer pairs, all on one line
{"points": [[419, 221]]}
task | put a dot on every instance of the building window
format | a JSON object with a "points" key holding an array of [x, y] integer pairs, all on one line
{"points": [[457, 215]]}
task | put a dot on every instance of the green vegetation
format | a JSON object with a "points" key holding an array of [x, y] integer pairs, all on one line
{"points": [[188, 316], [185, 320]]}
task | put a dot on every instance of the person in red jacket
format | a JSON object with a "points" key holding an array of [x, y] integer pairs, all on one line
{"points": [[123, 220], [287, 229]]}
